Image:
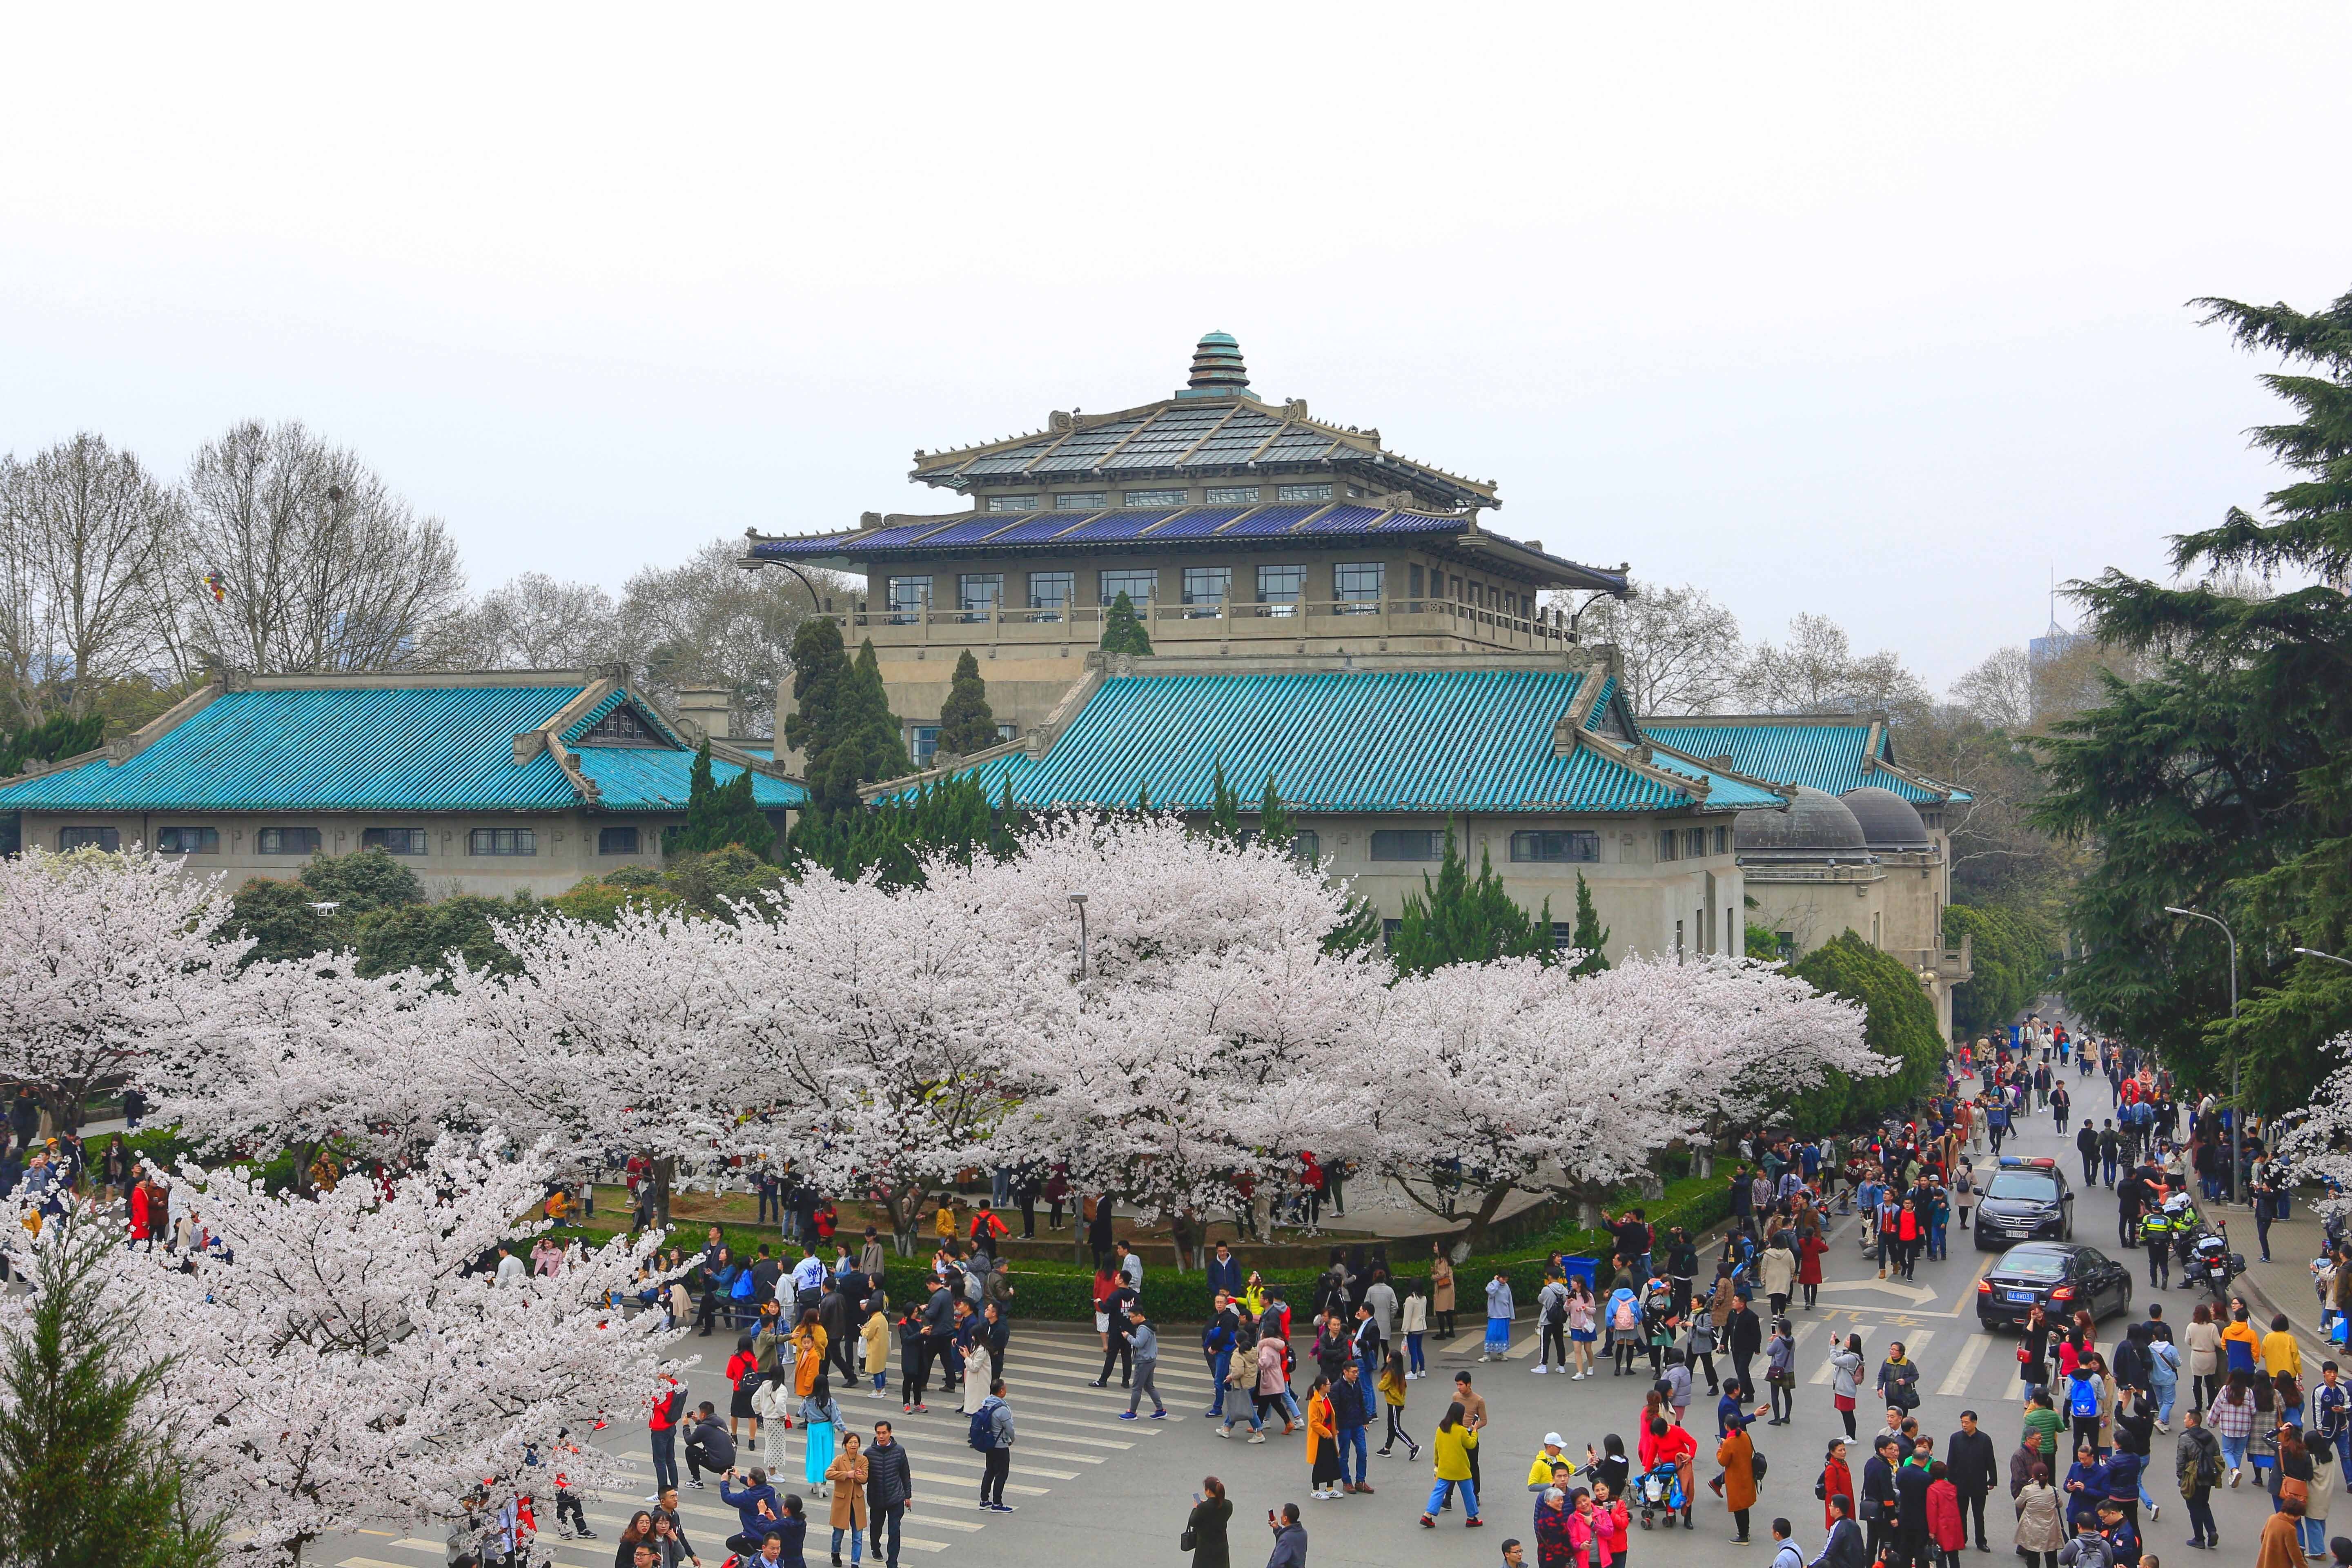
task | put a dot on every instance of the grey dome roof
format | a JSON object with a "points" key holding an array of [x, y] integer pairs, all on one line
{"points": [[1888, 821], [1814, 826]]}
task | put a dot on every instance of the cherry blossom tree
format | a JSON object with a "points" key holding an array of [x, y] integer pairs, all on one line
{"points": [[302, 1053], [612, 1036], [1511, 1076], [2317, 1144], [103, 957], [875, 1028], [344, 1359], [1208, 1084]]}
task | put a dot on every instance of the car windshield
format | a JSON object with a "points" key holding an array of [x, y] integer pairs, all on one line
{"points": [[2031, 1184], [2035, 1265]]}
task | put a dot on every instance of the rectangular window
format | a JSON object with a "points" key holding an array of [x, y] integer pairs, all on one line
{"points": [[503, 841], [1205, 587], [187, 841], [107, 838], [616, 841], [395, 840], [1012, 503], [910, 597], [1051, 591], [1556, 847], [1413, 582], [1281, 586], [285, 841], [922, 744], [1140, 587], [1722, 840], [1232, 495], [1306, 844], [1408, 844], [1006, 732], [1081, 500], [1357, 584], [977, 593], [1667, 840], [1152, 498], [1694, 842], [1304, 493]]}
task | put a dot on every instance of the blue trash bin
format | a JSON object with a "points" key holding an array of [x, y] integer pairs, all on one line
{"points": [[1584, 1268]]}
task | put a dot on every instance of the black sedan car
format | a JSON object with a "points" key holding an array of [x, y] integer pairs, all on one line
{"points": [[2064, 1276], [2022, 1201]]}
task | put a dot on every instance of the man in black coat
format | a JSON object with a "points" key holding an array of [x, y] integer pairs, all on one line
{"points": [[833, 1316], [1974, 1469], [1878, 1497], [1911, 1483], [889, 1490], [2086, 1143], [1743, 1337]]}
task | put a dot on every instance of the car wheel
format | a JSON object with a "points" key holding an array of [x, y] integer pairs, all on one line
{"points": [[1988, 1325]]}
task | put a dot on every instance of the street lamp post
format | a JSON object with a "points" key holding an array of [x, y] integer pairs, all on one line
{"points": [[2314, 953], [2237, 1111], [1080, 901]]}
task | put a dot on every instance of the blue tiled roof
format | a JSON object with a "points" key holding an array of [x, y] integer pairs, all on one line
{"points": [[643, 778], [365, 749], [1824, 756], [1422, 741]]}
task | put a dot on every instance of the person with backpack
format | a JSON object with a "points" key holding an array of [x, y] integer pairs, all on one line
{"points": [[2085, 1393], [991, 1435], [667, 1412], [1743, 1466], [1625, 1326], [1551, 1312]]}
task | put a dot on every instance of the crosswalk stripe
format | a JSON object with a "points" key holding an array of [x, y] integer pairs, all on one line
{"points": [[1826, 1371], [1964, 1366]]}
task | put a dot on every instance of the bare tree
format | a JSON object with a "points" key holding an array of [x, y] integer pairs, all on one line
{"points": [[1680, 649], [297, 557], [707, 622], [1816, 671], [534, 622], [1999, 693], [82, 529]]}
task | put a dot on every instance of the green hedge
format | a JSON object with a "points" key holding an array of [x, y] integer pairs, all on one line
{"points": [[1063, 1292]]}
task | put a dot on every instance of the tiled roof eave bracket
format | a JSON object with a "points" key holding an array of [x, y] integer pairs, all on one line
{"points": [[1634, 762]]}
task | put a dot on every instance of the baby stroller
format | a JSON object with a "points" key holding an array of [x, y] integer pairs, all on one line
{"points": [[1660, 1487]]}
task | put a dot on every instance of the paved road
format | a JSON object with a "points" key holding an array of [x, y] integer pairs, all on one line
{"points": [[1092, 1490]]}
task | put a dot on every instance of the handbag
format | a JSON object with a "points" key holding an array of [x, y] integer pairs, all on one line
{"points": [[1189, 1540]]}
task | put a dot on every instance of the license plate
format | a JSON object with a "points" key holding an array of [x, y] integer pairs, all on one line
{"points": [[2018, 1295]]}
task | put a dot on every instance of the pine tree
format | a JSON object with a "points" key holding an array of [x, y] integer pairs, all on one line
{"points": [[58, 735], [966, 722], [1591, 936], [820, 695], [1458, 919], [83, 1480], [719, 814], [884, 753], [1123, 629]]}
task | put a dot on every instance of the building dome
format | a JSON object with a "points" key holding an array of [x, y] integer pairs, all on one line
{"points": [[1888, 821], [1815, 825]]}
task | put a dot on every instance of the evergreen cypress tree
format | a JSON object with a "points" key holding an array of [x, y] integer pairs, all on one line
{"points": [[58, 735], [821, 692], [82, 1479], [1123, 629], [1591, 936], [1456, 919], [719, 814], [1224, 807], [967, 724], [1273, 823], [884, 753]]}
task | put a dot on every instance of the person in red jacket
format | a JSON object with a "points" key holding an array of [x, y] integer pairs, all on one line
{"points": [[668, 1409], [1945, 1526]]}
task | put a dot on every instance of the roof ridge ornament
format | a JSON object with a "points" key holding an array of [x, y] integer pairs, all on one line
{"points": [[1217, 368]]}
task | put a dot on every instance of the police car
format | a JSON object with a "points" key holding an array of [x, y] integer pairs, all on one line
{"points": [[2022, 1200]]}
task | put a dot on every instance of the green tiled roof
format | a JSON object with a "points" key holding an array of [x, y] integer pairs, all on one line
{"points": [[1825, 756], [1422, 741], [386, 748]]}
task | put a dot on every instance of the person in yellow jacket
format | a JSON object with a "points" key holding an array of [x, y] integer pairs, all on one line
{"points": [[1453, 1443], [808, 1353], [874, 1342], [1551, 1455]]}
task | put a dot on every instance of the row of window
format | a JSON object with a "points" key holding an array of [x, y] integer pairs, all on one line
{"points": [[1689, 843], [923, 742], [1205, 587], [620, 840], [1216, 495], [1572, 846]]}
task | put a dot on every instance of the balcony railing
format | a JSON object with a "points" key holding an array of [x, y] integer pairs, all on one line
{"points": [[908, 625]]}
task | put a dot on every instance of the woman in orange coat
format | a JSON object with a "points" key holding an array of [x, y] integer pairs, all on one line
{"points": [[1323, 1441], [1737, 1455], [808, 1353]]}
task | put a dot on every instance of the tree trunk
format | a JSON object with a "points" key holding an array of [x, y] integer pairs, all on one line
{"points": [[1487, 1206], [665, 1174]]}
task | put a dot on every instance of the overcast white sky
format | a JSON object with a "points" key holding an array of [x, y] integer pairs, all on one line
{"points": [[1871, 310]]}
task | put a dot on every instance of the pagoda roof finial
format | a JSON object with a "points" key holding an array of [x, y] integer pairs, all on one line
{"points": [[1217, 368]]}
